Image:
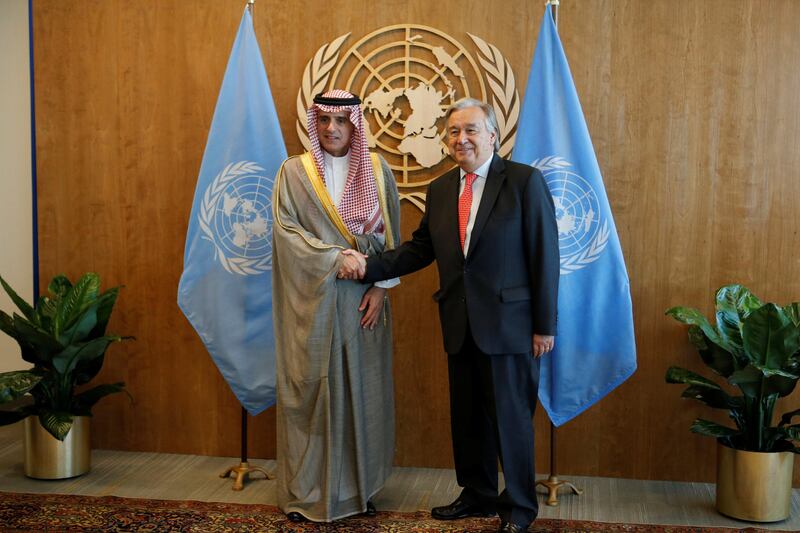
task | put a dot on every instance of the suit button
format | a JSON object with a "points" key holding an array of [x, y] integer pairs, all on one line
{"points": [[463, 299]]}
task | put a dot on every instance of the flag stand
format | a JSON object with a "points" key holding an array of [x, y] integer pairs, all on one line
{"points": [[552, 484], [243, 469]]}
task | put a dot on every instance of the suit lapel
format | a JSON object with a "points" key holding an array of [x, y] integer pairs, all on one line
{"points": [[494, 181], [451, 207]]}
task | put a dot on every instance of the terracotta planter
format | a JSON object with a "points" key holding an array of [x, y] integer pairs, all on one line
{"points": [[46, 457], [754, 486]]}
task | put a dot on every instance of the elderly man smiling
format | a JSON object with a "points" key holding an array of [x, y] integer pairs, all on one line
{"points": [[490, 226]]}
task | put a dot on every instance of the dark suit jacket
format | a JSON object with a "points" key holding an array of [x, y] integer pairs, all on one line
{"points": [[507, 286]]}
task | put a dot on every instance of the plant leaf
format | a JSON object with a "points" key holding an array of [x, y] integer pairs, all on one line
{"points": [[38, 346], [681, 375], [71, 306], [769, 372], [793, 312], [7, 326], [66, 361], [11, 417], [16, 384], [770, 337], [778, 439], [734, 304], [715, 357], [105, 304], [792, 432], [23, 306], [45, 313], [693, 317], [749, 380], [779, 384], [787, 417], [81, 328], [712, 429], [86, 370], [716, 398], [86, 399], [57, 424], [59, 286]]}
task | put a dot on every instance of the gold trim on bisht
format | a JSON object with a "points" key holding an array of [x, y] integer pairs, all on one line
{"points": [[325, 198], [276, 211]]}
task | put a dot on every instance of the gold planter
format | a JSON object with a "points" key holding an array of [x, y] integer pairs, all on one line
{"points": [[46, 457], [754, 486]]}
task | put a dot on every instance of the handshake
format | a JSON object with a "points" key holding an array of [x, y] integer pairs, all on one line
{"points": [[354, 265]]}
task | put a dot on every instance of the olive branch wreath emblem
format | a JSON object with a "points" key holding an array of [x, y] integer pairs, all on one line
{"points": [[235, 265], [498, 73], [591, 253]]}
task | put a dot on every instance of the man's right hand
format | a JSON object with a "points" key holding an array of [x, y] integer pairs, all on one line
{"points": [[542, 344], [354, 265]]}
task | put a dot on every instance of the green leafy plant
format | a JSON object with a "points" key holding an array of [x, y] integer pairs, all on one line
{"points": [[755, 347], [64, 338]]}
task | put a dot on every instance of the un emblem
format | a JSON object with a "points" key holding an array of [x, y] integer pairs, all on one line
{"points": [[407, 75], [236, 216], [582, 230]]}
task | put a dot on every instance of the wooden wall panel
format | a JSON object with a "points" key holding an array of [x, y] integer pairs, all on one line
{"points": [[694, 110]]}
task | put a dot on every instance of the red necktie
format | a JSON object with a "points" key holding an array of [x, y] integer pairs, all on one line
{"points": [[464, 205]]}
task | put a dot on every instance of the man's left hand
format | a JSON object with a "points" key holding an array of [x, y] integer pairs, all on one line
{"points": [[542, 344], [372, 305]]}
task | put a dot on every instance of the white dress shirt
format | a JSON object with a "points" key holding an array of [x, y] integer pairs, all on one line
{"points": [[336, 170], [477, 192]]}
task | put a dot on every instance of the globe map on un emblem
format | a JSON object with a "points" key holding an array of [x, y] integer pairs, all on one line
{"points": [[243, 218], [407, 76], [577, 211]]}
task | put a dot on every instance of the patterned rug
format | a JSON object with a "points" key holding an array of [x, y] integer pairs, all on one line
{"points": [[54, 513]]}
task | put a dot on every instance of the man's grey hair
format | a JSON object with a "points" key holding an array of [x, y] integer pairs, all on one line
{"points": [[488, 111]]}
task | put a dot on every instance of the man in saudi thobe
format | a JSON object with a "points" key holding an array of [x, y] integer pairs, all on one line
{"points": [[335, 414]]}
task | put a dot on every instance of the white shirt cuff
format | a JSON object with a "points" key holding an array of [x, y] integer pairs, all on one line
{"points": [[388, 283]]}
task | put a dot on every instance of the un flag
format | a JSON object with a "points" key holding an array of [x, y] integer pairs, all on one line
{"points": [[226, 288], [595, 348]]}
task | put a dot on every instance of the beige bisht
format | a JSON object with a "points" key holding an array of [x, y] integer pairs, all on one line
{"points": [[335, 415]]}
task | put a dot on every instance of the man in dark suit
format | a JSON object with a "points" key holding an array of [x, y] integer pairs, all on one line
{"points": [[490, 225]]}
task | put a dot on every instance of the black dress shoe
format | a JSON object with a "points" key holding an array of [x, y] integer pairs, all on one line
{"points": [[510, 527], [294, 516], [460, 509], [371, 511]]}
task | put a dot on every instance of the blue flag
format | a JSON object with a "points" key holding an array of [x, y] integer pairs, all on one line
{"points": [[226, 287], [595, 348]]}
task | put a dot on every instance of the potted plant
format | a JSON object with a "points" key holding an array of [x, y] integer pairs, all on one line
{"points": [[756, 348], [64, 337]]}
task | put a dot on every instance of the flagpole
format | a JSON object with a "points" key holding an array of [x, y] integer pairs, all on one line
{"points": [[243, 469], [552, 484]]}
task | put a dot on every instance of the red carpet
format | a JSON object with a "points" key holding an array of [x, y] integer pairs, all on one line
{"points": [[53, 513]]}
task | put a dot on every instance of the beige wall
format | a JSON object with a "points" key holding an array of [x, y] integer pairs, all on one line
{"points": [[16, 244]]}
